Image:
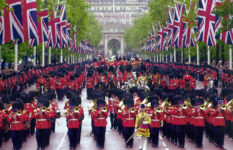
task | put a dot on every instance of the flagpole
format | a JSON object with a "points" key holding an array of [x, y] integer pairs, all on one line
{"points": [[61, 57], [154, 58], [43, 55], [198, 60], [189, 56], [170, 57], [16, 57], [174, 55], [157, 55], [182, 55], [208, 55], [0, 58], [230, 57], [50, 55], [34, 53]]}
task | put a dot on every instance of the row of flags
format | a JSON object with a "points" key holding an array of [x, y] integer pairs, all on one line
{"points": [[21, 22], [177, 33]]}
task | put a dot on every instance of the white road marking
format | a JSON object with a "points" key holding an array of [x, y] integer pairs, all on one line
{"points": [[63, 138], [164, 144], [160, 137]]}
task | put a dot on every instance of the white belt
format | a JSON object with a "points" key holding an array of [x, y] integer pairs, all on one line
{"points": [[129, 119], [180, 116], [219, 117], [16, 122], [100, 118], [73, 119], [155, 120], [199, 117], [41, 120]]}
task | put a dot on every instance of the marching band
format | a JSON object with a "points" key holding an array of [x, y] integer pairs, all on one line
{"points": [[142, 99]]}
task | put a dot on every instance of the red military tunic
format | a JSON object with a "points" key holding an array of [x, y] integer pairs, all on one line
{"points": [[128, 118], [42, 119], [100, 118]]}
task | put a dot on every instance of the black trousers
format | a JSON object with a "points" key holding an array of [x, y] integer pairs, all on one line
{"points": [[89, 93], [42, 136], [228, 128], [154, 134], [119, 125], [1, 136], [79, 133], [73, 136], [180, 133], [60, 94], [32, 126], [100, 135], [219, 135], [128, 132], [17, 139], [113, 120], [198, 135]]}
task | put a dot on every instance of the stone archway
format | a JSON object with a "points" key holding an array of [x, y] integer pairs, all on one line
{"points": [[114, 46], [108, 37]]}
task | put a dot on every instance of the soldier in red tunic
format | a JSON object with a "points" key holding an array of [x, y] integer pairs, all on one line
{"points": [[156, 116], [43, 123], [100, 122], [16, 120], [129, 115], [74, 116]]}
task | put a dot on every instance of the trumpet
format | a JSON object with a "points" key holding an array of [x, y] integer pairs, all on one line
{"points": [[104, 109], [76, 110], [19, 113], [159, 109], [43, 109], [132, 110], [202, 107]]}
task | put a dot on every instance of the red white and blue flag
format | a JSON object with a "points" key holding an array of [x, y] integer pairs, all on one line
{"points": [[29, 16], [227, 36], [54, 25], [16, 21], [206, 22], [68, 34], [162, 34], [178, 25], [171, 26], [43, 31], [63, 23], [49, 43]]}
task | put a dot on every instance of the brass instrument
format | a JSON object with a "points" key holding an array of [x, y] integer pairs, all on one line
{"points": [[223, 107], [132, 110], [43, 109], [145, 101], [104, 109], [19, 113], [159, 109], [202, 107], [76, 110]]}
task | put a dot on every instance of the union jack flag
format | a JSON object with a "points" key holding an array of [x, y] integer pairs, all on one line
{"points": [[161, 34], [63, 23], [42, 25], [49, 43], [171, 26], [153, 39], [5, 27], [54, 23], [178, 25], [74, 44], [68, 34], [206, 22], [226, 36], [16, 21], [29, 16]]}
